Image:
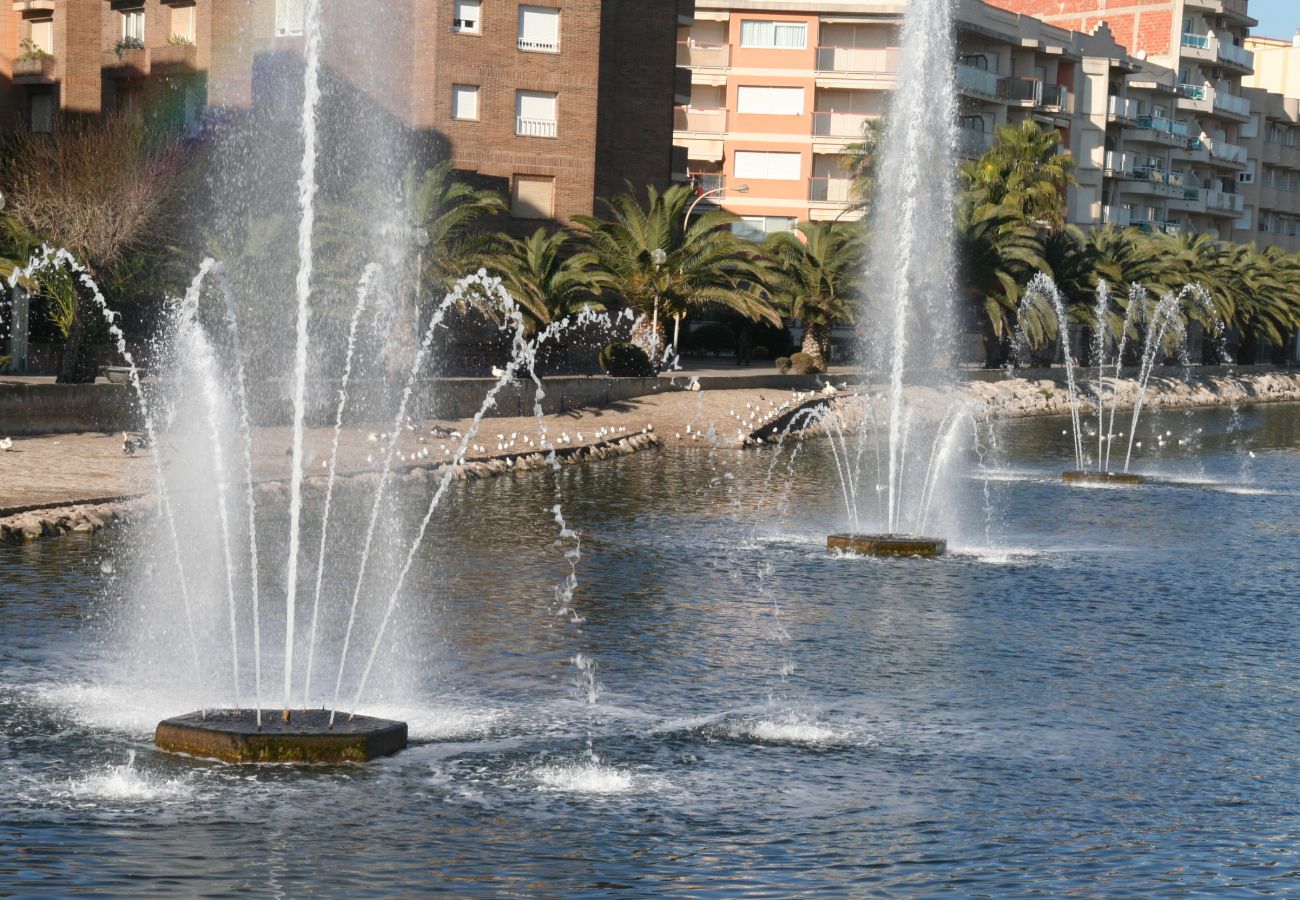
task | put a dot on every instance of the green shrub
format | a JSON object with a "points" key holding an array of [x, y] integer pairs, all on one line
{"points": [[621, 360], [715, 339], [783, 364], [803, 364], [761, 352]]}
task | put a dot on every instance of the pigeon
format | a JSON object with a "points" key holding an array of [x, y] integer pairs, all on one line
{"points": [[7, 444], [498, 372]]}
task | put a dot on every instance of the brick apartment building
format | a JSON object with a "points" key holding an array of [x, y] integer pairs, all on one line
{"points": [[563, 101]]}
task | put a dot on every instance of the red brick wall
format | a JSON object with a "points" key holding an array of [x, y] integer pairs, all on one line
{"points": [[1137, 24]]}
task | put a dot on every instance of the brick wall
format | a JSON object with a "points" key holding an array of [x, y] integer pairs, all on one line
{"points": [[1136, 24]]}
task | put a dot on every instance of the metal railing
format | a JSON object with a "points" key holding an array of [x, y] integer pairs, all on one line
{"points": [[1192, 91], [883, 60], [703, 56], [1196, 41], [977, 81], [539, 46], [535, 127], [834, 124], [1161, 124], [690, 118]]}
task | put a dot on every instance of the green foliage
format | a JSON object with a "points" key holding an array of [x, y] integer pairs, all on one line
{"points": [[28, 50], [546, 275], [623, 360], [813, 276], [128, 43], [804, 364], [712, 338], [783, 364], [1025, 171]]}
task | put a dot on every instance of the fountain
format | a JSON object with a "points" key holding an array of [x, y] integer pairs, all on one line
{"points": [[910, 274], [1162, 322]]}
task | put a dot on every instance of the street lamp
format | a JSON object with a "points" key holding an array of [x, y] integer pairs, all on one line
{"points": [[739, 189], [657, 256]]}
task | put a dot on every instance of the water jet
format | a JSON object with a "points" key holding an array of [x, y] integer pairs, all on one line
{"points": [[234, 736]]}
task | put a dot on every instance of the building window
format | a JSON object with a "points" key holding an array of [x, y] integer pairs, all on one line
{"points": [[770, 101], [532, 197], [183, 30], [40, 112], [43, 35], [1248, 176], [761, 33], [290, 15], [535, 114], [757, 228], [464, 101], [768, 166], [539, 29], [133, 27], [465, 17]]}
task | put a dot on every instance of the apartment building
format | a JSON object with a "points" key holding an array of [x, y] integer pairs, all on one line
{"points": [[1197, 148], [780, 90], [1271, 185], [559, 101]]}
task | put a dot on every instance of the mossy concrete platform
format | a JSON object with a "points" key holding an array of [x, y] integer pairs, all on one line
{"points": [[888, 544], [1116, 478], [233, 735]]}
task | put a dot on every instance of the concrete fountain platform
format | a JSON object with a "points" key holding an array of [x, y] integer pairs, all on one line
{"points": [[888, 544], [1100, 478], [232, 735]]}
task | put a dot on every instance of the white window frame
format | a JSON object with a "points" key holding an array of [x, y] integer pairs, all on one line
{"points": [[776, 25], [290, 17], [532, 125], [462, 22], [767, 165], [538, 44], [134, 14], [773, 100], [464, 90]]}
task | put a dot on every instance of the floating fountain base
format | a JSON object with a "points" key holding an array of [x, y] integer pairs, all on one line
{"points": [[1101, 478], [232, 735], [888, 544]]}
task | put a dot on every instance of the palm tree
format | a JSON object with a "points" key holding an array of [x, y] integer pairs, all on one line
{"points": [[860, 161], [547, 280], [998, 253], [1024, 170], [815, 277], [657, 263]]}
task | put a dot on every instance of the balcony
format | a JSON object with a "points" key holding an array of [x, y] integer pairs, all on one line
{"points": [[535, 127], [132, 63], [973, 143], [538, 46], [1120, 216], [708, 181], [1232, 55], [1217, 201], [696, 55], [1056, 98], [830, 190], [1154, 226], [978, 82], [878, 61], [1121, 165], [1192, 201], [1164, 131], [1122, 109], [709, 121], [1018, 89], [1230, 154], [33, 71], [1196, 41], [840, 125], [1231, 105], [173, 57], [1192, 91]]}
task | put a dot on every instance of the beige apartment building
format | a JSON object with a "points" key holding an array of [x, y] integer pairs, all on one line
{"points": [[1271, 185], [560, 101]]}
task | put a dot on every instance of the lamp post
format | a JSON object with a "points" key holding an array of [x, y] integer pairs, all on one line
{"points": [[739, 189], [657, 256]]}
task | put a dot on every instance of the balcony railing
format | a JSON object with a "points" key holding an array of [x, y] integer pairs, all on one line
{"points": [[1231, 53], [1226, 152], [977, 81], [707, 181], [1231, 103], [858, 59], [539, 46], [535, 127], [1120, 216], [1154, 226], [1156, 175], [1163, 125], [829, 190], [973, 142], [689, 118], [1192, 91], [1056, 97], [1196, 41], [1121, 164], [1221, 200], [1017, 88], [1123, 108], [834, 124], [703, 56]]}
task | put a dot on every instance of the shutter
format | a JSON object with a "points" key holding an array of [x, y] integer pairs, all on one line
{"points": [[539, 28], [464, 101], [532, 197]]}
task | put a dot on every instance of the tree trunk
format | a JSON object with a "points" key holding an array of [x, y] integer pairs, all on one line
{"points": [[71, 367], [817, 343]]}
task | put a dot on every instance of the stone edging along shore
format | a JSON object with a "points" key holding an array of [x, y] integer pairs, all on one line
{"points": [[92, 515]]}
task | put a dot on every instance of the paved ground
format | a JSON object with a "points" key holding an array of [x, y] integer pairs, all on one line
{"points": [[63, 468]]}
